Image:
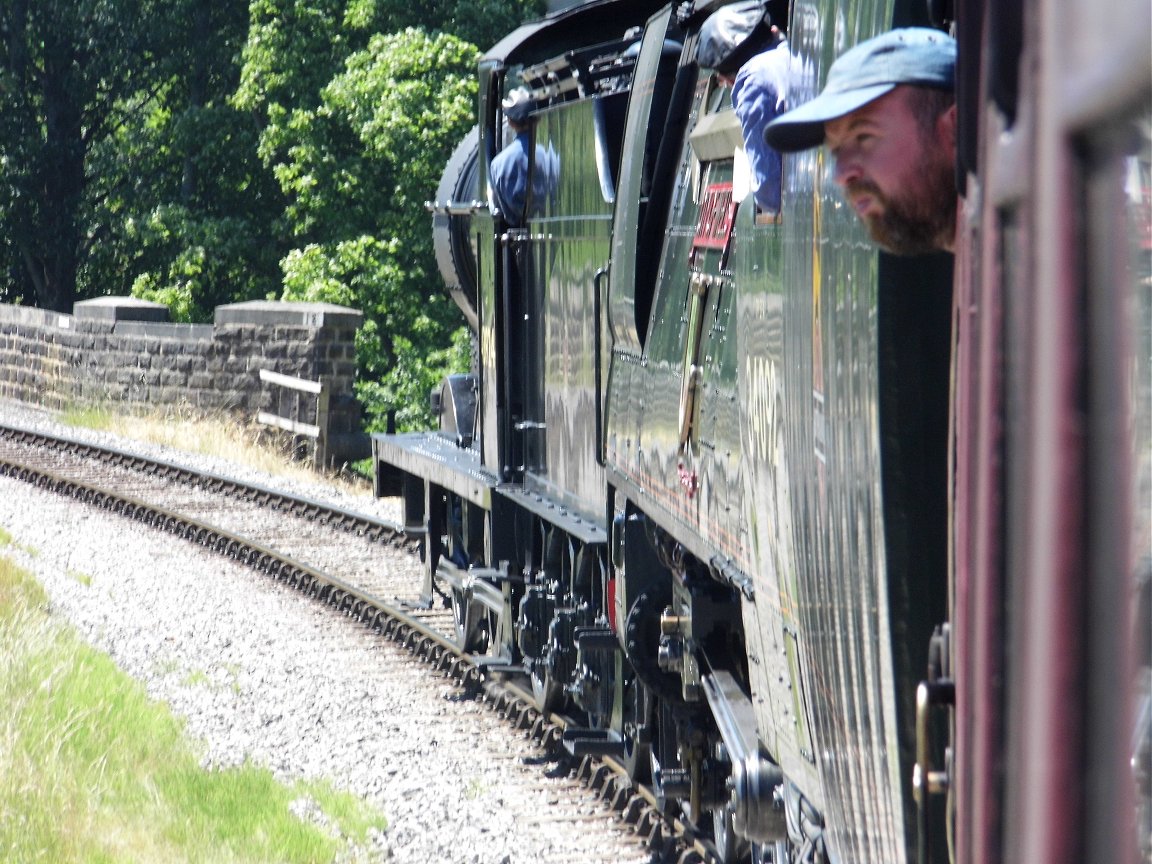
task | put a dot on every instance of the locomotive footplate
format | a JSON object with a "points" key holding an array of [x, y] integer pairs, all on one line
{"points": [[582, 529], [434, 457]]}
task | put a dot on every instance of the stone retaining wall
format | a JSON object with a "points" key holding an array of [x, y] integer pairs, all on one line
{"points": [[118, 352]]}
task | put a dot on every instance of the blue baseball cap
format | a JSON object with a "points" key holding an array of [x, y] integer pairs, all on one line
{"points": [[913, 55]]}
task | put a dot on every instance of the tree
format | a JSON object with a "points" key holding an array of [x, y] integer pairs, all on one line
{"points": [[360, 118], [73, 71], [481, 22], [359, 170], [404, 347], [123, 167], [197, 222], [201, 153]]}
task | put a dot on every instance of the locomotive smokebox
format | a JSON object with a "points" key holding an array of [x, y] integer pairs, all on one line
{"points": [[456, 201]]}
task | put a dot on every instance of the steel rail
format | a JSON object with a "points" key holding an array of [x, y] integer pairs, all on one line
{"points": [[671, 838], [381, 530]]}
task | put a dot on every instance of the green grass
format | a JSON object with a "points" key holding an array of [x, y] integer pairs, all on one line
{"points": [[100, 419], [92, 771], [83, 578], [474, 789]]}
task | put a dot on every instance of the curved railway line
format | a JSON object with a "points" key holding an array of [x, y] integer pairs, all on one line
{"points": [[361, 566]]}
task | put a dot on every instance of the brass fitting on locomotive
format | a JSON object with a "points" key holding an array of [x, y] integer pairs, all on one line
{"points": [[677, 652]]}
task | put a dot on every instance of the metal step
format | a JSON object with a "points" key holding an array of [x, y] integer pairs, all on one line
{"points": [[592, 742]]}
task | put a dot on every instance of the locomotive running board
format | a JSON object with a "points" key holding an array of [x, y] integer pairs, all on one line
{"points": [[437, 459], [587, 531]]}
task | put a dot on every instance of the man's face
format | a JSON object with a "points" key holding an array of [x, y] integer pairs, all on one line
{"points": [[898, 178]]}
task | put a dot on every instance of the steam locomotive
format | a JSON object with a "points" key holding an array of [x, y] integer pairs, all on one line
{"points": [[848, 555]]}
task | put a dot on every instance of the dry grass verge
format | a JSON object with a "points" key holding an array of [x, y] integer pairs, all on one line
{"points": [[224, 437]]}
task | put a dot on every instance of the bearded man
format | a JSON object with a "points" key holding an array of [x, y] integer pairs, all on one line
{"points": [[888, 116]]}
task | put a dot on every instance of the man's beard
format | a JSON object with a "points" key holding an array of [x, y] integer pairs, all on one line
{"points": [[913, 225]]}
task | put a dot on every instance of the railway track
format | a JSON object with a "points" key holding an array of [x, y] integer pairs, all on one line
{"points": [[361, 566]]}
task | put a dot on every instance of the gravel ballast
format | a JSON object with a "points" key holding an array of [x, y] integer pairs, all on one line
{"points": [[262, 674]]}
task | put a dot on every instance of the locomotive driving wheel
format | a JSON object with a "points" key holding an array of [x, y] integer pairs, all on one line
{"points": [[637, 731], [465, 547], [475, 624], [730, 847]]}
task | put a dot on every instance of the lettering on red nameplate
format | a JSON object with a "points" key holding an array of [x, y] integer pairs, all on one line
{"points": [[717, 212]]}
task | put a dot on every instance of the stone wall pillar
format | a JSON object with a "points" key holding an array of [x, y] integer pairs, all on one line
{"points": [[314, 341], [120, 351]]}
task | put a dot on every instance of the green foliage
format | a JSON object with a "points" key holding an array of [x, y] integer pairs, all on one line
{"points": [[368, 156], [198, 261], [400, 400], [204, 228], [406, 344], [293, 48], [72, 72], [111, 111], [92, 770], [359, 169], [481, 22], [204, 153]]}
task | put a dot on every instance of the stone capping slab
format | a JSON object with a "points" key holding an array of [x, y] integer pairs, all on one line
{"points": [[274, 313], [182, 332], [121, 309], [33, 317]]}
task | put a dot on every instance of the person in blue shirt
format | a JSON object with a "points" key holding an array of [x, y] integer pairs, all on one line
{"points": [[750, 55], [511, 167]]}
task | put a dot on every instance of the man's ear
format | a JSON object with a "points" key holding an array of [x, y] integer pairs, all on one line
{"points": [[946, 127]]}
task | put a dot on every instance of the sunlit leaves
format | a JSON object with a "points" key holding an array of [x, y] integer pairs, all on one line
{"points": [[405, 346], [181, 150]]}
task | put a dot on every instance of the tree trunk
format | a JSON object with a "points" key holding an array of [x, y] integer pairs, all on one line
{"points": [[62, 174], [197, 94]]}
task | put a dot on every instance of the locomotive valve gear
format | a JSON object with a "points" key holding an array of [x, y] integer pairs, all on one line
{"points": [[756, 783]]}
